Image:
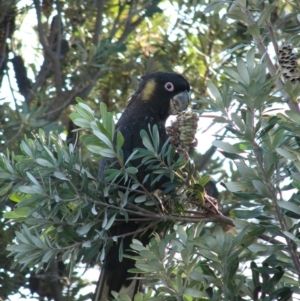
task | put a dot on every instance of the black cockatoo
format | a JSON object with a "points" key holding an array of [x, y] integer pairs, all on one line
{"points": [[158, 96]]}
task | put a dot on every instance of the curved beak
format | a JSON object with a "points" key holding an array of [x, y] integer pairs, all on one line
{"points": [[179, 103]]}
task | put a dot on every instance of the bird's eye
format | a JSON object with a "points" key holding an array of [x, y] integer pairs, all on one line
{"points": [[169, 87]]}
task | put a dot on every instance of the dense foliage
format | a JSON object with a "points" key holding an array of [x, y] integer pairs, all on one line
{"points": [[239, 58]]}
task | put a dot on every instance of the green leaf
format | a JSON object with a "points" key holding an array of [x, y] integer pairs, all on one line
{"points": [[251, 60], [245, 214], [266, 13], [237, 15], [26, 149], [254, 30], [85, 111], [182, 234], [213, 90], [243, 71], [103, 138], [83, 230], [289, 206], [140, 199], [81, 122], [146, 141], [213, 5], [7, 165], [17, 213], [5, 188], [232, 73], [48, 256], [227, 147], [262, 188], [138, 297], [44, 162], [293, 115], [110, 222], [104, 152], [120, 140], [245, 170], [238, 121], [26, 189], [131, 170], [194, 293], [286, 154], [60, 175], [237, 186], [32, 178]]}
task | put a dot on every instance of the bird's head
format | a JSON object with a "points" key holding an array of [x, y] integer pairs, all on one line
{"points": [[167, 93]]}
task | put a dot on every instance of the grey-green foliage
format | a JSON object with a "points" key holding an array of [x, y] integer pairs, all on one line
{"points": [[58, 194], [192, 264], [63, 207]]}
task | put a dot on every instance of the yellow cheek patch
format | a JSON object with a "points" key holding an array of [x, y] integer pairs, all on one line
{"points": [[148, 90]]}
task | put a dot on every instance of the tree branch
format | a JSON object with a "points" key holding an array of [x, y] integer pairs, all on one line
{"points": [[272, 69], [54, 56], [98, 23]]}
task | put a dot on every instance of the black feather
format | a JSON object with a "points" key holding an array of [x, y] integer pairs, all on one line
{"points": [[149, 105]]}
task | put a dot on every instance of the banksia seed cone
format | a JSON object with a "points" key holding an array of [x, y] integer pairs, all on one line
{"points": [[187, 125], [288, 63], [23, 81], [183, 130]]}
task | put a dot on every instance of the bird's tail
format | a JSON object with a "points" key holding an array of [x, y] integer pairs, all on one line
{"points": [[114, 274]]}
